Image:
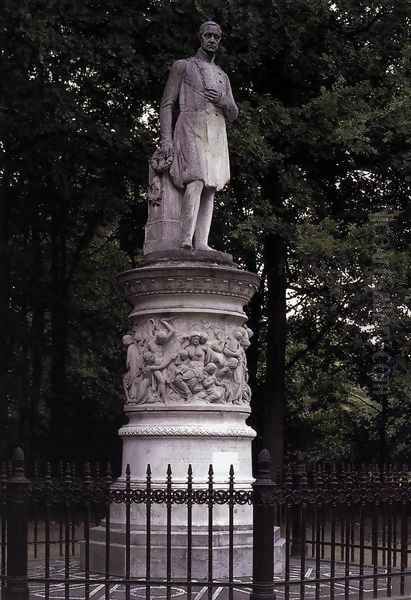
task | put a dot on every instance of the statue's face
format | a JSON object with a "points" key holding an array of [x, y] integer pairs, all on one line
{"points": [[149, 358], [210, 39]]}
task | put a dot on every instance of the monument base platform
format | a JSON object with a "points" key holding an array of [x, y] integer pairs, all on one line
{"points": [[242, 555]]}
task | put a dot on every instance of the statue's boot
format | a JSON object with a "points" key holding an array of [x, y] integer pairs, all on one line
{"points": [[205, 214]]}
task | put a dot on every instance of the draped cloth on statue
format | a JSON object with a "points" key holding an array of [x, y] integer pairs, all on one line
{"points": [[199, 137]]}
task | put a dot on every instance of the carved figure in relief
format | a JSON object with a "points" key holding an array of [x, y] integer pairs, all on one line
{"points": [[215, 349], [194, 348], [246, 395], [214, 390], [157, 360], [232, 347], [189, 374], [230, 380], [142, 383], [133, 364], [162, 337], [248, 333], [184, 381], [145, 380], [245, 342], [154, 368]]}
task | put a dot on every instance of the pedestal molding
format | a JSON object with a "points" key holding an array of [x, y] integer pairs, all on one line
{"points": [[186, 409], [194, 430]]}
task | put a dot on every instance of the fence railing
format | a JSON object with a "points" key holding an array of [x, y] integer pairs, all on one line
{"points": [[344, 532]]}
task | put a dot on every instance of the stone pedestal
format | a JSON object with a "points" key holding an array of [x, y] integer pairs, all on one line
{"points": [[187, 400]]}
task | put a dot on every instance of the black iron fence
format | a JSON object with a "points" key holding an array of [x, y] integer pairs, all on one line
{"points": [[344, 533]]}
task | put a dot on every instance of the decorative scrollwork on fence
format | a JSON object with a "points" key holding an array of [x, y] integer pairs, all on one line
{"points": [[77, 494], [326, 486], [181, 496]]}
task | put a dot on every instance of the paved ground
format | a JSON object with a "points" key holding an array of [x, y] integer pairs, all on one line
{"points": [[117, 592]]}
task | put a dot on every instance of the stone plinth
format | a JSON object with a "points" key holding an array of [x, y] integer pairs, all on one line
{"points": [[187, 400]]}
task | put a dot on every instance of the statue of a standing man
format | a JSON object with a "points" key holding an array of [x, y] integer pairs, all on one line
{"points": [[202, 93]]}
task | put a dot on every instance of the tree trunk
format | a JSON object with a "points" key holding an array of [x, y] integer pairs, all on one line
{"points": [[59, 329], [36, 335], [5, 345], [22, 364], [255, 315], [274, 406]]}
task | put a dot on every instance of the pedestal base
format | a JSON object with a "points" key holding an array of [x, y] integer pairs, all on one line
{"points": [[242, 555], [184, 255], [187, 401]]}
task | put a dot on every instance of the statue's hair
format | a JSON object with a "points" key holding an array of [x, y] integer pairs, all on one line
{"points": [[206, 24]]}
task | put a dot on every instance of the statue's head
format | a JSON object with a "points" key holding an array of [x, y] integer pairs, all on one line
{"points": [[196, 338], [210, 36], [232, 363], [149, 358]]}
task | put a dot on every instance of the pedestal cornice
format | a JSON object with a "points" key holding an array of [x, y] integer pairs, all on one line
{"points": [[188, 279]]}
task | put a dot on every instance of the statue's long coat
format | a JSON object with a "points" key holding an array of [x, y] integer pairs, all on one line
{"points": [[199, 136]]}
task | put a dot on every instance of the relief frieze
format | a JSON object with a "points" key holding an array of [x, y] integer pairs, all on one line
{"points": [[176, 361]]}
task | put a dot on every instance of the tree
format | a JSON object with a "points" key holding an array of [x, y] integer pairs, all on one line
{"points": [[71, 139]]}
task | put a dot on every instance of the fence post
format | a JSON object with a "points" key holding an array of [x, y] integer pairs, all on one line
{"points": [[17, 525], [297, 534], [263, 534]]}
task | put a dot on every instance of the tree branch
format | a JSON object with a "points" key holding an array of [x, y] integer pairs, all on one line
{"points": [[309, 346]]}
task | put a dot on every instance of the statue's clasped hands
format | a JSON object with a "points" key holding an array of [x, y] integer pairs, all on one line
{"points": [[213, 96]]}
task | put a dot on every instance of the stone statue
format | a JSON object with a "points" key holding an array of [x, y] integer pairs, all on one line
{"points": [[192, 162]]}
